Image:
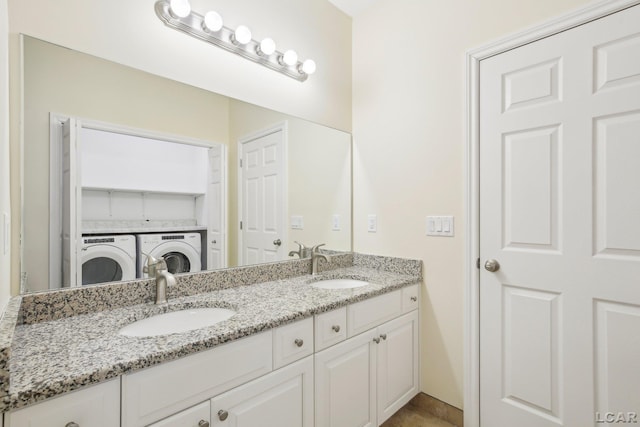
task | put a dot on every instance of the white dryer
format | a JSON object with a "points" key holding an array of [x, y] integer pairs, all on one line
{"points": [[181, 251], [106, 259]]}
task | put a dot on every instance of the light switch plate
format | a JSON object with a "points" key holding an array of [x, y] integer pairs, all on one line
{"points": [[297, 222], [372, 223], [440, 226]]}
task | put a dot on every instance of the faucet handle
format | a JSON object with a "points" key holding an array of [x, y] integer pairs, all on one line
{"points": [[314, 250]]}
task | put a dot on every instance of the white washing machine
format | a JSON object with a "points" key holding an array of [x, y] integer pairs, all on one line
{"points": [[181, 251], [107, 259]]}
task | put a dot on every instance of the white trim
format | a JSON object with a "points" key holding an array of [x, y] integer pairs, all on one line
{"points": [[472, 179], [55, 199], [280, 126]]}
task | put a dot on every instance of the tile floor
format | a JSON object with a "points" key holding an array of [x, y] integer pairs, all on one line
{"points": [[411, 416]]}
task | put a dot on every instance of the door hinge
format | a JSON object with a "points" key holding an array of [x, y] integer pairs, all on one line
{"points": [[478, 263], [240, 225]]}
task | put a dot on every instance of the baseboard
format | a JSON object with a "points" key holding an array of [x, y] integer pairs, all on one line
{"points": [[438, 409]]}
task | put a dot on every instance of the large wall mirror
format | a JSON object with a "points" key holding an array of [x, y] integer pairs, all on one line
{"points": [[119, 164]]}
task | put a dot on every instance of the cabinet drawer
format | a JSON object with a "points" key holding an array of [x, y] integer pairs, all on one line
{"points": [[292, 342], [330, 328], [154, 393], [192, 417], [96, 406], [372, 312], [410, 298]]}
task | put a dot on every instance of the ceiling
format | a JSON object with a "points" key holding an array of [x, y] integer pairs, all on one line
{"points": [[353, 7]]}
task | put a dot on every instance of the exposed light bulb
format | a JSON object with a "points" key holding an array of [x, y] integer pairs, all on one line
{"points": [[290, 57], [308, 66], [242, 34], [267, 47], [180, 8], [212, 21]]}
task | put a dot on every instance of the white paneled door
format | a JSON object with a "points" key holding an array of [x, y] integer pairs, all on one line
{"points": [[262, 203], [560, 213]]}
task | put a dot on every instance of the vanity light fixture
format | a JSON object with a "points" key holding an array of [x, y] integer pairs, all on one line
{"points": [[178, 15]]}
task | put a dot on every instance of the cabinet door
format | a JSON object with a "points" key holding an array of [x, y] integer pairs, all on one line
{"points": [[198, 416], [95, 406], [346, 383], [283, 398], [397, 364]]}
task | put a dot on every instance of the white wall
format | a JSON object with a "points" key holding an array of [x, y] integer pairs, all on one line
{"points": [[408, 124], [5, 258], [129, 32]]}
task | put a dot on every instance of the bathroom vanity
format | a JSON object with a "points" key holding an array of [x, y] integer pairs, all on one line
{"points": [[294, 354]]}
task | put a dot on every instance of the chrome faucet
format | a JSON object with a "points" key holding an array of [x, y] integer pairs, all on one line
{"points": [[315, 254], [158, 268], [302, 251]]}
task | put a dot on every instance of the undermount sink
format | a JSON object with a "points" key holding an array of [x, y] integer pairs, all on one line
{"points": [[339, 284], [176, 321]]}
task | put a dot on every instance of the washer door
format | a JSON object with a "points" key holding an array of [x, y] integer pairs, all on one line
{"points": [[180, 257], [106, 263]]}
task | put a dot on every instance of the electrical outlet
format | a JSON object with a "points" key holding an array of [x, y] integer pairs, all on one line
{"points": [[335, 223], [440, 226], [372, 223]]}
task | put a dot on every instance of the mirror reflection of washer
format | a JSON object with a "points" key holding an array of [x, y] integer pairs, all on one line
{"points": [[181, 251], [107, 259]]}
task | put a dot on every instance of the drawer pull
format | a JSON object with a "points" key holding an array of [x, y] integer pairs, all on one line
{"points": [[72, 424], [299, 342], [376, 340], [222, 414], [414, 299], [336, 328], [203, 423], [383, 336]]}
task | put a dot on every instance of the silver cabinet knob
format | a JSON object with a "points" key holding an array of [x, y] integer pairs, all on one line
{"points": [[203, 423], [336, 328], [376, 340], [222, 414], [277, 242], [492, 265], [383, 336], [72, 424], [214, 241], [299, 342], [414, 299]]}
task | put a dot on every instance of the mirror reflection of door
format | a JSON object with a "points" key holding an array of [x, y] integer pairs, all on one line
{"points": [[263, 196]]}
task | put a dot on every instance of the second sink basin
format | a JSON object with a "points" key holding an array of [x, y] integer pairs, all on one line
{"points": [[339, 284], [176, 321]]}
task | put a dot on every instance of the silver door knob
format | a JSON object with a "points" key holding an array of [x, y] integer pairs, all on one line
{"points": [[203, 423], [299, 342], [277, 242], [492, 265], [336, 328], [222, 414]]}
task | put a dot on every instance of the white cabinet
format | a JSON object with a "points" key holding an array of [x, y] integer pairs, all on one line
{"points": [[95, 406], [330, 328], [398, 364], [292, 342], [367, 314], [283, 398], [345, 383], [364, 380], [154, 393], [197, 416]]}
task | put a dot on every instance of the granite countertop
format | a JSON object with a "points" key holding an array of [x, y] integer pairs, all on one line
{"points": [[53, 357]]}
